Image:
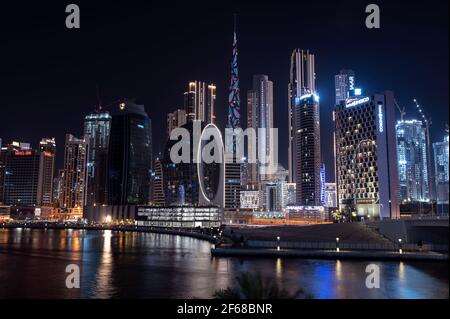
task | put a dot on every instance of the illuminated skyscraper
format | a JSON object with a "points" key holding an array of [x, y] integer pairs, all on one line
{"points": [[260, 115], [412, 161], [301, 82], [306, 150], [211, 105], [344, 82], [97, 127], [366, 157], [232, 164], [21, 179], [129, 155], [75, 177], [175, 119], [199, 102], [47, 149], [441, 167]]}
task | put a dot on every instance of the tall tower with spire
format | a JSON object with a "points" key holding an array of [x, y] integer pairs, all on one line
{"points": [[232, 164], [234, 101]]}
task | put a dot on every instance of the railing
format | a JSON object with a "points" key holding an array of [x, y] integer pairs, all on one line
{"points": [[344, 246]]}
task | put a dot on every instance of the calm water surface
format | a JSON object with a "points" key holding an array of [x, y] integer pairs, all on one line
{"points": [[144, 265]]}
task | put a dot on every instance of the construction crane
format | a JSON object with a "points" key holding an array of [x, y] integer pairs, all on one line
{"points": [[401, 110], [428, 122]]}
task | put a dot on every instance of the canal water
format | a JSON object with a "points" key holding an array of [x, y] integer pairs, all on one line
{"points": [[144, 265]]}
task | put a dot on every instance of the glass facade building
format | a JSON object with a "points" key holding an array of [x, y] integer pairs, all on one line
{"points": [[129, 155], [412, 161], [97, 127]]}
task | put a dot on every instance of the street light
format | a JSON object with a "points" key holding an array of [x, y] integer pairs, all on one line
{"points": [[337, 244], [278, 243], [400, 246]]}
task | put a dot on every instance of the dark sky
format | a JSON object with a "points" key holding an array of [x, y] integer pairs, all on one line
{"points": [[150, 50]]}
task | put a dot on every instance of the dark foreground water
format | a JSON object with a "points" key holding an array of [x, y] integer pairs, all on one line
{"points": [[144, 265]]}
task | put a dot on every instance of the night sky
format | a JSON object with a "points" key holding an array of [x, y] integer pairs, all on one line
{"points": [[150, 51]]}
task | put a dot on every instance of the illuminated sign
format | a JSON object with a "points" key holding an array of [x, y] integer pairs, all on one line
{"points": [[23, 153], [380, 118], [306, 96], [357, 102], [48, 154], [358, 91]]}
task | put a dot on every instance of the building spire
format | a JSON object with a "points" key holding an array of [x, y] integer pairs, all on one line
{"points": [[234, 118]]}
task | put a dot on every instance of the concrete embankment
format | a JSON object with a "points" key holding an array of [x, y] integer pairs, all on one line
{"points": [[329, 254], [127, 228]]}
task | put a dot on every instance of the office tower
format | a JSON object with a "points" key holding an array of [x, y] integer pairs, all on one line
{"points": [[306, 150], [301, 82], [330, 195], [441, 167], [412, 161], [21, 180], [260, 115], [211, 111], [175, 119], [249, 199], [129, 155], [232, 164], [365, 156], [47, 149], [75, 176], [97, 127], [344, 83]]}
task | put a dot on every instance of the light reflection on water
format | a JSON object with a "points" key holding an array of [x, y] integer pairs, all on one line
{"points": [[144, 265]]}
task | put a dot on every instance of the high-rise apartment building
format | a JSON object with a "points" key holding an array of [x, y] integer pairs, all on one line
{"points": [[441, 170], [175, 119], [366, 157], [199, 102], [306, 150], [301, 82], [260, 115], [47, 150], [412, 161], [75, 177]]}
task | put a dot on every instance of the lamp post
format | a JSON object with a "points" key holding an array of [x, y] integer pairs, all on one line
{"points": [[337, 244], [400, 246], [278, 243]]}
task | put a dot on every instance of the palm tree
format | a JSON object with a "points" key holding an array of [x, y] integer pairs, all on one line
{"points": [[253, 286]]}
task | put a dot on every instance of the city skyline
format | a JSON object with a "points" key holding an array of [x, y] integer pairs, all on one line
{"points": [[43, 106]]}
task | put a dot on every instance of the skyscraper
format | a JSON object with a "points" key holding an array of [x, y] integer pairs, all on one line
{"points": [[21, 179], [97, 127], [175, 119], [412, 161], [75, 177], [260, 115], [232, 164], [344, 82], [47, 149], [366, 157], [441, 167], [129, 155], [301, 82], [306, 150], [211, 110], [195, 101]]}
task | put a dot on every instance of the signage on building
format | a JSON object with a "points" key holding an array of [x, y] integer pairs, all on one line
{"points": [[357, 102]]}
